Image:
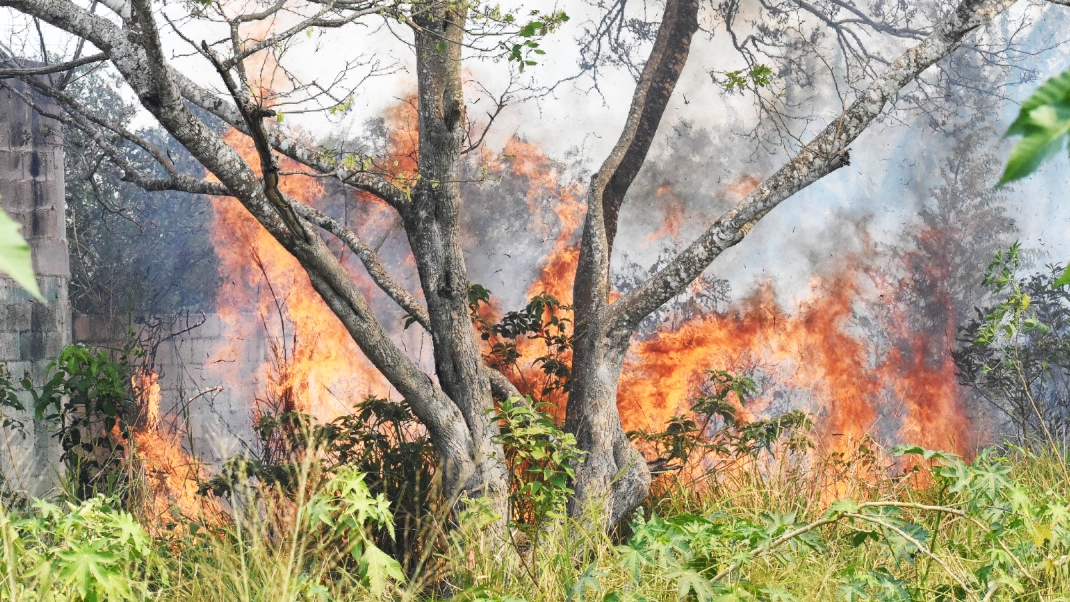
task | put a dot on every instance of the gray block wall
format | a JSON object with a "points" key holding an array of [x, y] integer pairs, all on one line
{"points": [[32, 333], [210, 372]]}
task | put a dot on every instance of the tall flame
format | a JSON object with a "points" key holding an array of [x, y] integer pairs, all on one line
{"points": [[313, 361], [898, 385]]}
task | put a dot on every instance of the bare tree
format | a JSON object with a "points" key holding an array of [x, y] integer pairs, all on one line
{"points": [[454, 405]]}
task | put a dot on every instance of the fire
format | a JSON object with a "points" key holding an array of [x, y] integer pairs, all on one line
{"points": [[171, 475], [812, 356], [313, 364], [858, 386], [545, 182]]}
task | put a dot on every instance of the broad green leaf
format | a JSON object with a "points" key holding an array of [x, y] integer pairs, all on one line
{"points": [[1043, 123], [377, 568], [631, 560], [15, 256], [1063, 280], [693, 581]]}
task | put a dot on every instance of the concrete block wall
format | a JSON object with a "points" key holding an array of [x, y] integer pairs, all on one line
{"points": [[32, 333], [210, 375]]}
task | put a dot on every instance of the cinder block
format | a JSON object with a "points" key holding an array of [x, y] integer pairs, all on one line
{"points": [[46, 223], [14, 317], [10, 350], [47, 193], [51, 258], [32, 346], [43, 317], [16, 195], [19, 369], [54, 342], [11, 164]]}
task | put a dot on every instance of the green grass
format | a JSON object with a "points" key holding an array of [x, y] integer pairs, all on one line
{"points": [[992, 529]]}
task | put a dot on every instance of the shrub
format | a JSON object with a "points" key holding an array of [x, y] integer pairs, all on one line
{"points": [[87, 394], [1016, 353]]}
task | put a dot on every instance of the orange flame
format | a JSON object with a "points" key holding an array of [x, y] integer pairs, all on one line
{"points": [[313, 361], [172, 475], [810, 356]]}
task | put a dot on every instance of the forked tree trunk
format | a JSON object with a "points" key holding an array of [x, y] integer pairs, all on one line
{"points": [[614, 478]]}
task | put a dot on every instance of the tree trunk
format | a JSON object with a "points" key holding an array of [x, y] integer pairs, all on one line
{"points": [[432, 222], [614, 478]]}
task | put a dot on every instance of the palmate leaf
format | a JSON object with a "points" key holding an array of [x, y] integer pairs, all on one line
{"points": [[693, 581], [1043, 123], [15, 256], [87, 566], [377, 568]]}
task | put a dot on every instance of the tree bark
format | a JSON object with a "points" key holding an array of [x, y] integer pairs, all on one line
{"points": [[613, 478], [432, 223]]}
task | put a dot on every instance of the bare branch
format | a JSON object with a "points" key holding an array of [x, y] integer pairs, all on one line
{"points": [[369, 258], [131, 172], [824, 154], [269, 168], [119, 7], [53, 68], [316, 20]]}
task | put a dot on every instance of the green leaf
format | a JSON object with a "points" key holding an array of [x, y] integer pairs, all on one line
{"points": [[87, 565], [15, 256], [377, 568], [1063, 280], [1043, 123], [693, 581]]}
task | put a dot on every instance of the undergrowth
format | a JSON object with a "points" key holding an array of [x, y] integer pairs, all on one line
{"points": [[740, 509]]}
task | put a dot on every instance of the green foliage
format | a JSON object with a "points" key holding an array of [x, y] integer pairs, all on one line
{"points": [[1011, 317], [757, 76], [1016, 352], [544, 320], [15, 256], [345, 509], [86, 552], [1043, 123], [541, 25], [381, 439], [87, 395], [542, 461], [714, 431]]}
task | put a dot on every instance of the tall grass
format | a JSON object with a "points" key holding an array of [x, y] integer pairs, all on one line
{"points": [[705, 541]]}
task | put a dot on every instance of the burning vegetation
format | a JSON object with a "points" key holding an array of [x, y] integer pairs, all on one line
{"points": [[453, 369]]}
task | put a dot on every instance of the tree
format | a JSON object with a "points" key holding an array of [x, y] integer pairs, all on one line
{"points": [[454, 405]]}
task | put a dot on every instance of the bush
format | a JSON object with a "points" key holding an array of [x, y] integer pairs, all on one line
{"points": [[1016, 353], [88, 396], [380, 439]]}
